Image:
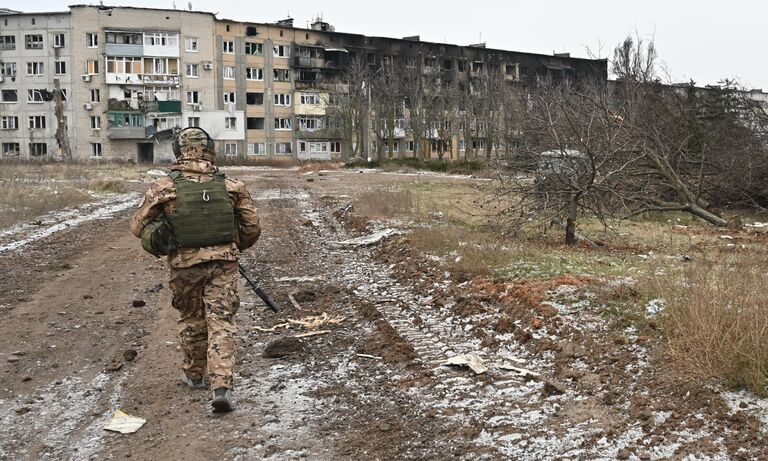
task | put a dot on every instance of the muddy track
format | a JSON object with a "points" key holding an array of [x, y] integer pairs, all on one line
{"points": [[372, 388]]}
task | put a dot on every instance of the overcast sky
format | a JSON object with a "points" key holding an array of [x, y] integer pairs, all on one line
{"points": [[704, 41]]}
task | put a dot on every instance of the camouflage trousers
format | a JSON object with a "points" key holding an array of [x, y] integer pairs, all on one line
{"points": [[206, 297]]}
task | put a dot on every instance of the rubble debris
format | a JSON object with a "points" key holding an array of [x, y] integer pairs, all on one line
{"points": [[293, 300], [283, 347], [312, 333], [521, 371], [124, 423], [474, 362], [376, 237], [369, 356], [272, 328], [313, 322], [22, 410], [138, 303]]}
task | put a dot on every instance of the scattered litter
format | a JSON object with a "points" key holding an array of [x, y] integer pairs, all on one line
{"points": [[298, 279], [124, 423], [368, 239], [293, 301], [272, 328], [758, 225], [521, 371], [472, 361], [312, 333], [313, 322], [156, 172], [368, 356], [726, 237]]}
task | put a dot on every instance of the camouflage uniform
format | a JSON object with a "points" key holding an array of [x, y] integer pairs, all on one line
{"points": [[203, 281]]}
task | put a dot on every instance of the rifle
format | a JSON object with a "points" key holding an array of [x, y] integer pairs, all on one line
{"points": [[257, 289]]}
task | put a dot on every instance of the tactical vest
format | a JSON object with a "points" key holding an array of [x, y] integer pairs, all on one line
{"points": [[204, 214]]}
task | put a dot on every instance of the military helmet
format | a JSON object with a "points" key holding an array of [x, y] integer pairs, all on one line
{"points": [[192, 136]]}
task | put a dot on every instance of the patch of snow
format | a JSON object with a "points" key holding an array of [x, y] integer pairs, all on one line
{"points": [[63, 219]]}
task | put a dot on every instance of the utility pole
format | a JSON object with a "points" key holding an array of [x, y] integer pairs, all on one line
{"points": [[61, 123]]}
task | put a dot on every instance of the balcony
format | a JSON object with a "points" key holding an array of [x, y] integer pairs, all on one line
{"points": [[315, 63], [127, 132], [123, 79], [123, 105], [154, 79], [124, 49]]}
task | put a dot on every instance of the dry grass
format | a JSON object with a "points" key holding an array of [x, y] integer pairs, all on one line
{"points": [[716, 320], [472, 251], [385, 203], [31, 189]]}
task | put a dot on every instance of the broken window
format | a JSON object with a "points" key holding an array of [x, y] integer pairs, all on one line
{"points": [[310, 98], [7, 42], [254, 123], [254, 99], [11, 148], [283, 148], [193, 97], [58, 40], [477, 66], [228, 47], [96, 149], [38, 149], [281, 51], [60, 67], [282, 75], [254, 73], [283, 123], [257, 148], [33, 42], [254, 49], [229, 97], [38, 96], [310, 122], [8, 69], [307, 76]]}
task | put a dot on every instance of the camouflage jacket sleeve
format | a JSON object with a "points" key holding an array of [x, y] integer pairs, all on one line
{"points": [[247, 218], [153, 204]]}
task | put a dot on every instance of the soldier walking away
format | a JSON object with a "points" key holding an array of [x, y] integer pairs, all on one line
{"points": [[201, 220]]}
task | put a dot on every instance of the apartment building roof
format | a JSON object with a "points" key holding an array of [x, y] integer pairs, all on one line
{"points": [[169, 10]]}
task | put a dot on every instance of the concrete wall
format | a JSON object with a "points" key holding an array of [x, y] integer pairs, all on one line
{"points": [[92, 19], [48, 25]]}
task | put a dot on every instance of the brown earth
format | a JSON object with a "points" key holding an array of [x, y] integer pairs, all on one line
{"points": [[87, 300]]}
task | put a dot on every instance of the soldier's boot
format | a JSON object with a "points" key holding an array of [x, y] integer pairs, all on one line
{"points": [[222, 400], [193, 383]]}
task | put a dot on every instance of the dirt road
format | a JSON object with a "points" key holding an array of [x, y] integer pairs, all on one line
{"points": [[86, 299]]}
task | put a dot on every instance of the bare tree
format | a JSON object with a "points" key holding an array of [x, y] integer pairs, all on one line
{"points": [[348, 110]]}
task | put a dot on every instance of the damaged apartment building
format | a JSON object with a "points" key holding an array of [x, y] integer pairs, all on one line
{"points": [[130, 76]]}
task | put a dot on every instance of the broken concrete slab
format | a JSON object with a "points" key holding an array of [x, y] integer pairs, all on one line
{"points": [[474, 362]]}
